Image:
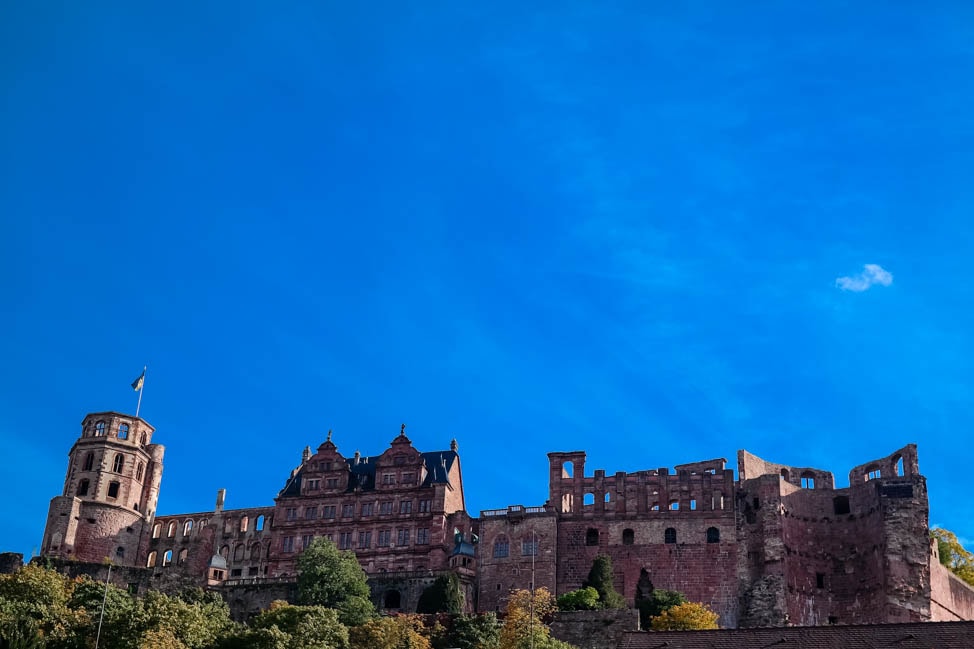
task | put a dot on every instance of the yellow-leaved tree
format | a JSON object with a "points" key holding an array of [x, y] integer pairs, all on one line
{"points": [[525, 625], [688, 616], [953, 554]]}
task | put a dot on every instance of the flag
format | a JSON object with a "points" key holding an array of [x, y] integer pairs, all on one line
{"points": [[137, 383]]}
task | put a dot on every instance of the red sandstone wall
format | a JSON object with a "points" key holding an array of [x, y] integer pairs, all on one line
{"points": [[950, 597]]}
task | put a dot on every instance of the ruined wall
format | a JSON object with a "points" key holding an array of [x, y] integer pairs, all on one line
{"points": [[247, 598], [951, 598], [503, 564], [594, 629]]}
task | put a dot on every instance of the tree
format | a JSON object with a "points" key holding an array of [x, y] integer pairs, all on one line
{"points": [[442, 596], [583, 599], [38, 597], [525, 621], [658, 601], [307, 627], [953, 554], [474, 632], [688, 616], [330, 577], [600, 578], [395, 632]]}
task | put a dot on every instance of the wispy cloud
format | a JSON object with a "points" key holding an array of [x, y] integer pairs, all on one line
{"points": [[871, 274]]}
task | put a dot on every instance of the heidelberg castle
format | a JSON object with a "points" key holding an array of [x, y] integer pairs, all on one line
{"points": [[779, 545]]}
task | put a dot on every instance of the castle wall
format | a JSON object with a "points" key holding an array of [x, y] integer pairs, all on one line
{"points": [[951, 598]]}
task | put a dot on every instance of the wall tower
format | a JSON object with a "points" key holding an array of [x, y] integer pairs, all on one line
{"points": [[110, 492]]}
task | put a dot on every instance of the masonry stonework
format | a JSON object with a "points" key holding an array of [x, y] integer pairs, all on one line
{"points": [[779, 545]]}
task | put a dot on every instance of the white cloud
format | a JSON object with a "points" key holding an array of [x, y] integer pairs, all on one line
{"points": [[871, 274]]}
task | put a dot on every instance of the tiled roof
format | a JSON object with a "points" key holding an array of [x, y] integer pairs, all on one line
{"points": [[437, 463], [921, 635]]}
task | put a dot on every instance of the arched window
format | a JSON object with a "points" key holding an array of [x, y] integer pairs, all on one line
{"points": [[260, 523], [140, 471], [713, 535], [592, 536], [83, 487], [669, 536], [187, 527], [113, 489], [151, 562], [898, 465], [238, 553], [255, 552], [100, 429], [157, 530], [225, 552], [89, 461], [588, 499], [655, 507], [120, 552], [167, 558], [228, 525], [123, 431], [182, 557], [502, 547], [172, 530], [628, 537], [608, 497], [244, 523], [119, 463], [784, 475]]}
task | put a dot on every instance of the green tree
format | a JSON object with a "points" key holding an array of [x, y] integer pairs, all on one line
{"points": [[474, 632], [525, 621], [688, 616], [329, 577], [953, 554], [583, 599], [39, 597], [658, 601], [194, 624], [308, 627], [442, 596], [600, 578]]}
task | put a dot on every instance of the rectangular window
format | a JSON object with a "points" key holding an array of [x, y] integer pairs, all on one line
{"points": [[328, 511], [365, 540], [422, 536], [236, 572], [424, 506], [287, 544], [113, 490], [385, 538], [388, 478], [385, 508], [344, 540], [306, 540], [529, 548], [291, 513], [406, 507], [313, 485], [408, 478], [402, 537], [348, 511], [331, 483], [310, 513], [367, 509]]}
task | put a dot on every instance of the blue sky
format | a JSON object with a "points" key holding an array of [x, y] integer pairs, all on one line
{"points": [[566, 226]]}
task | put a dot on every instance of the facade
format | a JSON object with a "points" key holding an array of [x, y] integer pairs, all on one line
{"points": [[776, 546]]}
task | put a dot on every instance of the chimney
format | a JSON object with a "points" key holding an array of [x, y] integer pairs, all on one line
{"points": [[305, 454], [221, 496], [358, 456]]}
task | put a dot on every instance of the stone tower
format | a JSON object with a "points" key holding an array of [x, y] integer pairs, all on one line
{"points": [[110, 492]]}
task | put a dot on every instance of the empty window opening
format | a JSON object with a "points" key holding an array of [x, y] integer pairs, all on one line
{"points": [[238, 552], [628, 537], [392, 599], [808, 481], [120, 552], [157, 530], [260, 524], [819, 580], [898, 466], [756, 503], [89, 461], [228, 526], [608, 497], [669, 536], [142, 439], [785, 475], [502, 547], [119, 463], [225, 550], [674, 505], [255, 552], [83, 487], [182, 557], [567, 470], [874, 474], [589, 499], [718, 501], [113, 489], [244, 523], [123, 431], [592, 536], [693, 504], [655, 507], [841, 504], [167, 558], [151, 561], [171, 532], [713, 535], [140, 472], [187, 528]]}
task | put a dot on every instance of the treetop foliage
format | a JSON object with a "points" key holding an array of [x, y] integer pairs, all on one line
{"points": [[688, 616], [953, 554], [601, 579]]}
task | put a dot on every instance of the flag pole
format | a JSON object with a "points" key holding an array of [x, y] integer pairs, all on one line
{"points": [[138, 406]]}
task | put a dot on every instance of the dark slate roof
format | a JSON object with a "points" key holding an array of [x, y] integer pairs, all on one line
{"points": [[920, 635], [438, 465]]}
